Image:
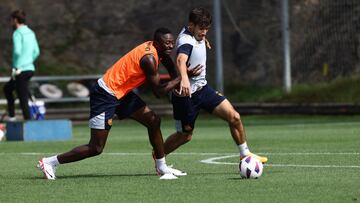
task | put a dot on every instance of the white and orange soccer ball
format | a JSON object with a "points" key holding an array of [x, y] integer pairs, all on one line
{"points": [[250, 167]]}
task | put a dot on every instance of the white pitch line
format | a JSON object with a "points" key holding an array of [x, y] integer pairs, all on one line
{"points": [[322, 124], [197, 153], [310, 166], [311, 153], [114, 153], [213, 160]]}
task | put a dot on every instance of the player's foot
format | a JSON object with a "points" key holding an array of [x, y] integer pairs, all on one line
{"points": [[176, 171], [168, 176], [263, 159], [167, 169], [47, 169]]}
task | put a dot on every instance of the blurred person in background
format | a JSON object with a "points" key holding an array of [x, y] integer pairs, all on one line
{"points": [[25, 52], [194, 93]]}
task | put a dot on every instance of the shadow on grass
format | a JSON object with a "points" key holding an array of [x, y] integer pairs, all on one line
{"points": [[84, 176], [105, 175], [242, 179]]}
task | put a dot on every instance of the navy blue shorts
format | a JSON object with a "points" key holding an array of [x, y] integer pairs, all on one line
{"points": [[186, 109], [103, 106]]}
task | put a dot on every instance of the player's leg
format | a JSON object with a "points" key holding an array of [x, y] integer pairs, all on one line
{"points": [[152, 122], [9, 88], [185, 112], [180, 137], [102, 109], [22, 89], [227, 112], [93, 148]]}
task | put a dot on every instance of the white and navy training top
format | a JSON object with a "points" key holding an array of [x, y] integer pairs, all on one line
{"points": [[196, 50]]}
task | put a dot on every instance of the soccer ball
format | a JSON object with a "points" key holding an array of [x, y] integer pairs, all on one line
{"points": [[250, 167]]}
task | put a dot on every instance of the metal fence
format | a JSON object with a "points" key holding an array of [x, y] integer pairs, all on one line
{"points": [[49, 79]]}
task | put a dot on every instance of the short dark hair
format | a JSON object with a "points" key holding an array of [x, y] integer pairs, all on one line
{"points": [[160, 32], [19, 15], [200, 16]]}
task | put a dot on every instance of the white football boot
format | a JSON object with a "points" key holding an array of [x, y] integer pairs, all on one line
{"points": [[168, 169], [47, 169], [165, 173]]}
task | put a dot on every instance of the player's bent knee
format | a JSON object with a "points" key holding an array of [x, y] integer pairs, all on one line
{"points": [[185, 137], [188, 137], [235, 118], [95, 150], [187, 133], [187, 129]]}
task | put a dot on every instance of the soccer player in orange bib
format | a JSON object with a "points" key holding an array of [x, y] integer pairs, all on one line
{"points": [[113, 94]]}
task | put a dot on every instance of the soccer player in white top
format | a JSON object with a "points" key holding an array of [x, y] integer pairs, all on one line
{"points": [[194, 93]]}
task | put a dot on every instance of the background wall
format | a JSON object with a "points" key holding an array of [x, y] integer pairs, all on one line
{"points": [[87, 36]]}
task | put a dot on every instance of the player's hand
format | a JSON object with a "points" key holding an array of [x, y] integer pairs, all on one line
{"points": [[184, 88], [195, 71]]}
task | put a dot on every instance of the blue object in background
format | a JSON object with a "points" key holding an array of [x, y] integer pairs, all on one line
{"points": [[37, 109], [44, 130]]}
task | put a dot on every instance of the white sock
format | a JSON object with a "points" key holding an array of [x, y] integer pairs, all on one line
{"points": [[244, 149], [160, 163], [52, 160]]}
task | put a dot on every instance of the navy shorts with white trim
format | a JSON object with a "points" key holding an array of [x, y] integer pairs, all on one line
{"points": [[103, 106], [186, 109]]}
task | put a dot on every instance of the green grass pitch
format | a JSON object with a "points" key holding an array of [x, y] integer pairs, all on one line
{"points": [[311, 159]]}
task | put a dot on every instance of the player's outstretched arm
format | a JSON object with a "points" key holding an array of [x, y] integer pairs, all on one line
{"points": [[148, 64], [181, 60]]}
